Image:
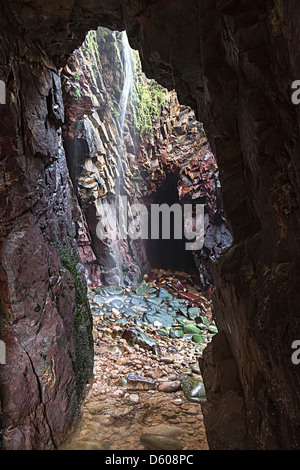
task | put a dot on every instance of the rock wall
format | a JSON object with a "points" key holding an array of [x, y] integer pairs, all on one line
{"points": [[101, 155], [162, 141], [45, 317], [233, 62], [180, 150]]}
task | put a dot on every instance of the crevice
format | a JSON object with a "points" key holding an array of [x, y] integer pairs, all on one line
{"points": [[39, 386]]}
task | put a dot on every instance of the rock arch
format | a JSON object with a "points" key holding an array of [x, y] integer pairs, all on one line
{"points": [[234, 65]]}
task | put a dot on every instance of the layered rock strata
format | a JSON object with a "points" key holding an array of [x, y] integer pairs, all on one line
{"points": [[45, 316], [161, 142], [101, 152]]}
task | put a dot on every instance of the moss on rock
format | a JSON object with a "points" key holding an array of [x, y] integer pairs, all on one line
{"points": [[83, 323]]}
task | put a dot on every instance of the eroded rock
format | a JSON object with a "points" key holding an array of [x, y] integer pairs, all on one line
{"points": [[137, 382]]}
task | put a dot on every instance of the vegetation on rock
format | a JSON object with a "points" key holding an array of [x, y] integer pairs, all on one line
{"points": [[148, 100], [83, 319]]}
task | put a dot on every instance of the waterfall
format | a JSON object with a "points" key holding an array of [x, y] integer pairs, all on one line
{"points": [[128, 70]]}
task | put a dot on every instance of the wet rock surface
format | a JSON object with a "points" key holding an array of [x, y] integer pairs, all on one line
{"points": [[142, 398], [99, 150], [165, 158], [233, 64]]}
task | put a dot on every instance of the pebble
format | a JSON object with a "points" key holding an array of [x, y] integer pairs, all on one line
{"points": [[195, 368], [137, 382], [190, 420], [114, 375], [95, 408], [170, 414], [134, 398], [150, 375], [164, 430], [167, 360], [177, 401], [114, 411], [177, 366], [158, 442], [118, 393], [175, 420], [192, 412], [169, 387], [106, 420], [173, 377]]}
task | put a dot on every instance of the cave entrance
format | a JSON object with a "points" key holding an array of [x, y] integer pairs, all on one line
{"points": [[127, 136], [169, 254]]}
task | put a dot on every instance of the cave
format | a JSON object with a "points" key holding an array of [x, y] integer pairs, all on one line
{"points": [[169, 253], [234, 64]]}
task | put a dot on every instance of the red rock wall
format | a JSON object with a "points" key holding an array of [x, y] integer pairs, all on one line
{"points": [[44, 379], [92, 87], [180, 149], [235, 64], [171, 144]]}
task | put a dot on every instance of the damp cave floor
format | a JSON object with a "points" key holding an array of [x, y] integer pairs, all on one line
{"points": [[147, 388]]}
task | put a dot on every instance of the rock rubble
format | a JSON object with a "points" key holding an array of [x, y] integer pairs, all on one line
{"points": [[142, 399]]}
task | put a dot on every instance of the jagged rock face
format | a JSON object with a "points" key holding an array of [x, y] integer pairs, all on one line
{"points": [[235, 66], [168, 146], [233, 63], [101, 155], [38, 305], [181, 152], [45, 319]]}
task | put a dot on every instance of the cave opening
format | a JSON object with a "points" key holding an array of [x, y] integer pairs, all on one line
{"points": [[128, 139], [234, 65], [127, 136], [169, 253]]}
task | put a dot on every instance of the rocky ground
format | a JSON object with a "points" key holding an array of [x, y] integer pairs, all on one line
{"points": [[147, 385]]}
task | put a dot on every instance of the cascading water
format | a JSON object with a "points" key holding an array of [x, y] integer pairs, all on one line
{"points": [[128, 70], [114, 229]]}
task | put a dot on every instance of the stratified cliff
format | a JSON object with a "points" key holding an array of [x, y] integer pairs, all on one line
{"points": [[45, 316], [158, 144]]}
